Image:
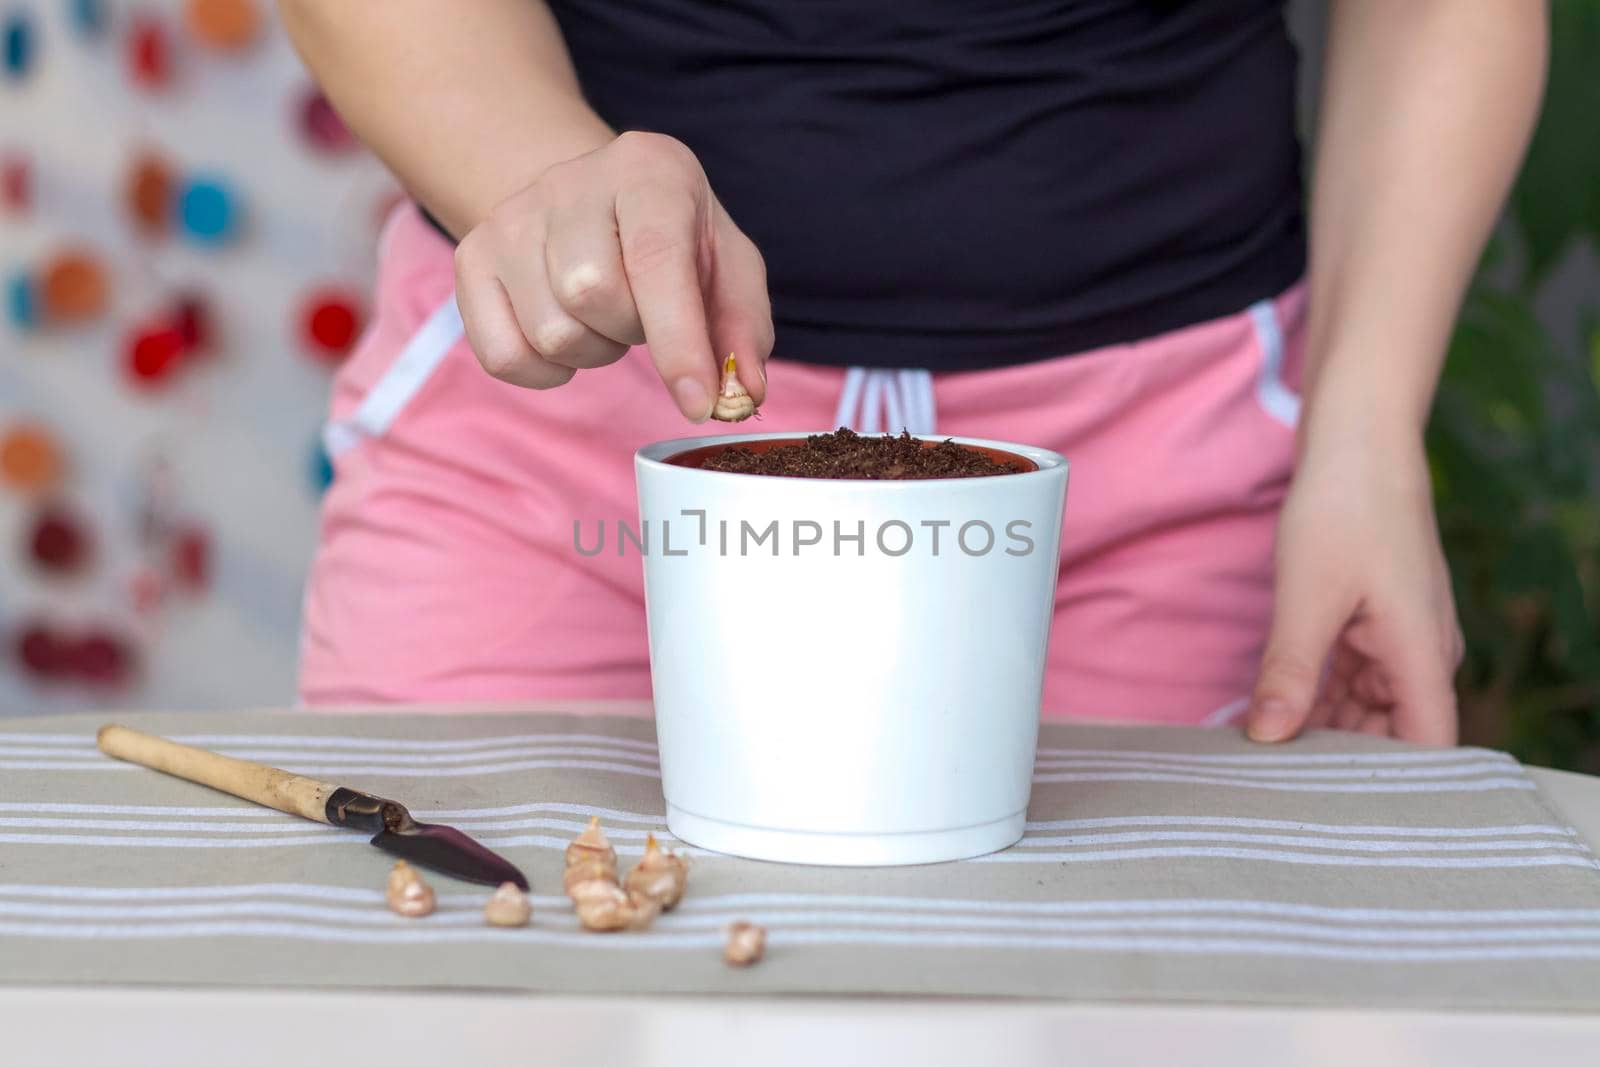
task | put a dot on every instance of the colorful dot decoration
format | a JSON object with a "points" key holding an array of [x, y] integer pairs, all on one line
{"points": [[191, 317], [58, 541], [70, 287], [155, 351], [61, 547], [190, 559], [330, 322], [205, 208], [88, 17], [151, 356], [30, 460], [22, 303], [101, 658], [321, 467], [38, 649], [16, 183], [73, 287], [321, 126], [157, 48], [149, 53], [208, 209], [17, 45], [224, 25], [98, 657], [147, 193]]}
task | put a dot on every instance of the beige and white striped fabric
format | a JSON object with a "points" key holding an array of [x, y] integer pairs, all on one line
{"points": [[1159, 863]]}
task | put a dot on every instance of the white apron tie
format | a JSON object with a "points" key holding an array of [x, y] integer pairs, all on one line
{"points": [[875, 400]]}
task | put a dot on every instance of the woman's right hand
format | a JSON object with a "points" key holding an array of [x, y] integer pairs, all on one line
{"points": [[622, 246]]}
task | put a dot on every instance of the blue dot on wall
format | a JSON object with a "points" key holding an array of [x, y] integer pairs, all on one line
{"points": [[321, 468], [88, 16], [22, 304], [17, 37], [208, 211]]}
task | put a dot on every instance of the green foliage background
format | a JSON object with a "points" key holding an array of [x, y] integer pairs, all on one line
{"points": [[1515, 442]]}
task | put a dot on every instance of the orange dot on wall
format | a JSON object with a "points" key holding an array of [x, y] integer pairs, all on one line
{"points": [[228, 25], [72, 287], [331, 322], [147, 193], [29, 459]]}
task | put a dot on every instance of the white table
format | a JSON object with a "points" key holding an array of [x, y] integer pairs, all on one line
{"points": [[124, 1027]]}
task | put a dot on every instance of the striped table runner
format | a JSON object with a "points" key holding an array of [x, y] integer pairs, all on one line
{"points": [[1159, 863]]}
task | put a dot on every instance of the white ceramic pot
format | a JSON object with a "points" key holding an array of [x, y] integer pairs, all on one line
{"points": [[832, 699]]}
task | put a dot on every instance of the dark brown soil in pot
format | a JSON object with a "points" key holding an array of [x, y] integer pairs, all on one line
{"points": [[845, 454]]}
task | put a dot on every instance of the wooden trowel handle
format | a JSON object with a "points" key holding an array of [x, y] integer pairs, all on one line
{"points": [[251, 781]]}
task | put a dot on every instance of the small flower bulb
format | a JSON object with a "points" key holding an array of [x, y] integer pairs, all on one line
{"points": [[588, 878], [607, 908], [746, 944], [734, 403], [592, 846], [659, 876], [508, 906], [407, 894]]}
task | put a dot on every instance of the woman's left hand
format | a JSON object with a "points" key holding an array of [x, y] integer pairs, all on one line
{"points": [[1364, 634]]}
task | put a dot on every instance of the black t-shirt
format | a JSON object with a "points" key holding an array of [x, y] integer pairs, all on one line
{"points": [[958, 184]]}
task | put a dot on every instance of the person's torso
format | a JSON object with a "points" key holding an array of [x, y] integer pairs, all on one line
{"points": [[959, 183]]}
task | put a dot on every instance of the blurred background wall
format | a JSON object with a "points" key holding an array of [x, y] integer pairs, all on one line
{"points": [[168, 166]]}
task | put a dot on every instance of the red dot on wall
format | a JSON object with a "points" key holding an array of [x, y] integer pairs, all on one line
{"points": [[191, 559], [39, 649], [330, 322], [58, 541], [152, 355], [100, 657], [149, 53], [16, 183], [191, 317], [321, 125]]}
